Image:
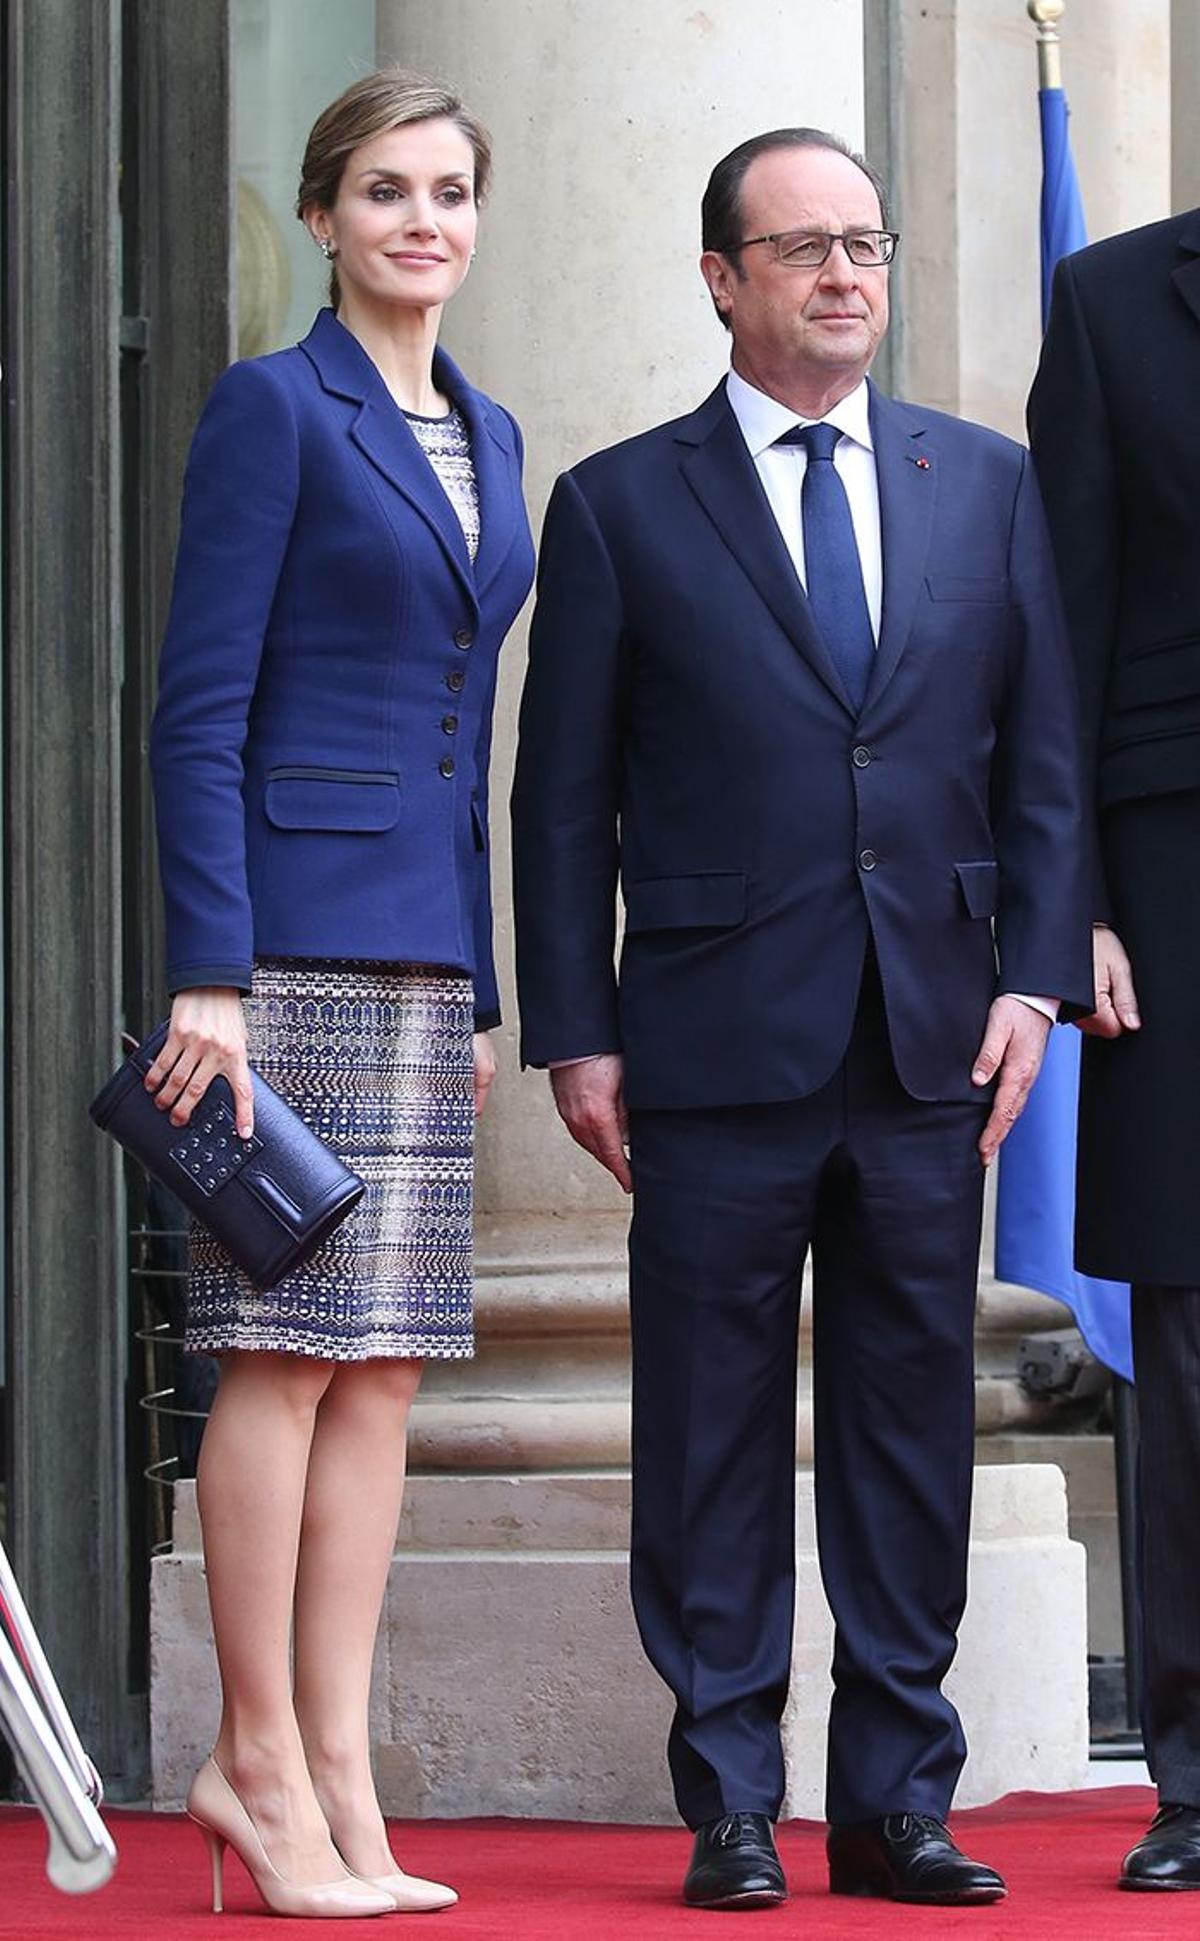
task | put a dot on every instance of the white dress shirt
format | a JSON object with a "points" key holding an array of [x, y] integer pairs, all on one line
{"points": [[782, 467]]}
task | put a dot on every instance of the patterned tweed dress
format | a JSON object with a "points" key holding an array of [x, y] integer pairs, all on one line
{"points": [[377, 1058]]}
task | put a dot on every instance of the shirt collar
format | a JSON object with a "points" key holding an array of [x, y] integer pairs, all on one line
{"points": [[763, 419]]}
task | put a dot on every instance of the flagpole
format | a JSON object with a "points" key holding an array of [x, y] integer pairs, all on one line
{"points": [[1047, 14]]}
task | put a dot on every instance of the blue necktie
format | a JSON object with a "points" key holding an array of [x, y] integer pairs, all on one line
{"points": [[835, 583]]}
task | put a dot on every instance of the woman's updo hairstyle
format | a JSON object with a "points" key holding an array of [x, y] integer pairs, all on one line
{"points": [[393, 97]]}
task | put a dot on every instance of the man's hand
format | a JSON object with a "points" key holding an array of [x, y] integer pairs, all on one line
{"points": [[1116, 1000], [483, 1056], [1014, 1045], [590, 1100]]}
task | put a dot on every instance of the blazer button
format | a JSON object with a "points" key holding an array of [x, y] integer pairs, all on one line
{"points": [[862, 757], [464, 637], [867, 859], [449, 724], [446, 766], [456, 680]]}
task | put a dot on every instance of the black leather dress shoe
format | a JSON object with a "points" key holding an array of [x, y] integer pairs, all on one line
{"points": [[735, 1865], [1168, 1855], [907, 1857]]}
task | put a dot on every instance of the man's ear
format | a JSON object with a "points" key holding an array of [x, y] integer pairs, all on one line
{"points": [[718, 273]]}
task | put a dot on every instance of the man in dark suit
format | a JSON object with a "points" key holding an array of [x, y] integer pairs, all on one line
{"points": [[1115, 427], [798, 680]]}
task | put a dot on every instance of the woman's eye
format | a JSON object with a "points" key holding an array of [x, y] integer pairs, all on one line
{"points": [[454, 197], [384, 192]]}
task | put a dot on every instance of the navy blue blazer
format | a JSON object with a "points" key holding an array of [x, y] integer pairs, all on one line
{"points": [[684, 728], [320, 746]]}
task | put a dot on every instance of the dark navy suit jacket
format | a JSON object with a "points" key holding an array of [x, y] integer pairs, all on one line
{"points": [[320, 748], [685, 729]]}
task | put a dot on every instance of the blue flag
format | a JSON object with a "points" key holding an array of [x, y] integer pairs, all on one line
{"points": [[1035, 1209]]}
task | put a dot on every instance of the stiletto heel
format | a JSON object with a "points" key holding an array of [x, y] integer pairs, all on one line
{"points": [[215, 1842], [224, 1821]]}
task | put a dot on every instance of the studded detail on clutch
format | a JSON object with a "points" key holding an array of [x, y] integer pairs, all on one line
{"points": [[209, 1148]]}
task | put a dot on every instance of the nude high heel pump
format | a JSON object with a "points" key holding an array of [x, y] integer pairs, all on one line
{"points": [[223, 1821], [409, 1893]]}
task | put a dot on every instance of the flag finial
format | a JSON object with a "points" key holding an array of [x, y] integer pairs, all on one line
{"points": [[1047, 14]]}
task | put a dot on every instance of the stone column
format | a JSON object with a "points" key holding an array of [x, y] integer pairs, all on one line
{"points": [[586, 314], [1185, 122]]}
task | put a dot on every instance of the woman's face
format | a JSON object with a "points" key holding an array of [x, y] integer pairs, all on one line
{"points": [[403, 226]]}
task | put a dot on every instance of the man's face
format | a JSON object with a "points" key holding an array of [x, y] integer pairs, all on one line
{"points": [[820, 326]]}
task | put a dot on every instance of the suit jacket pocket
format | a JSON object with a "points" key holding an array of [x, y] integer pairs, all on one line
{"points": [[980, 885], [959, 586], [332, 798], [714, 900], [1165, 671]]}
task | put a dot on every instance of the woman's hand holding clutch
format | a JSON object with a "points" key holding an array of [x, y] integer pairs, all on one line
{"points": [[207, 1037]]}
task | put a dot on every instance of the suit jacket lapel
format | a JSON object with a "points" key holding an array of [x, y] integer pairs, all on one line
{"points": [[1187, 276], [381, 433], [494, 456], [906, 468], [720, 471]]}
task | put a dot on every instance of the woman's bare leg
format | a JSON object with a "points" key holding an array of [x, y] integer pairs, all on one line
{"points": [[251, 1481], [351, 1509]]}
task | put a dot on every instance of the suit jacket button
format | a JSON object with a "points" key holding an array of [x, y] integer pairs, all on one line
{"points": [[446, 766], [862, 757], [449, 724], [464, 637], [867, 859], [456, 680]]}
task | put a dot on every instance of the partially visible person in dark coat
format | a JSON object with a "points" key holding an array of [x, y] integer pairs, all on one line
{"points": [[1115, 428], [354, 548]]}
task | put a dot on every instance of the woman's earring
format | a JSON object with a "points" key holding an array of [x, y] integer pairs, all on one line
{"points": [[474, 254], [326, 248]]}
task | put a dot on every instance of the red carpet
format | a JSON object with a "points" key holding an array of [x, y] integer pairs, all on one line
{"points": [[532, 1882]]}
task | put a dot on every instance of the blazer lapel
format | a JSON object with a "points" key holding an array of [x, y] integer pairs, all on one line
{"points": [[497, 472], [381, 433], [720, 471], [1187, 276], [906, 467]]}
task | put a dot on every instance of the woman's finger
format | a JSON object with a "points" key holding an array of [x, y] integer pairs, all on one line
{"points": [[175, 1080], [189, 1096], [238, 1073]]}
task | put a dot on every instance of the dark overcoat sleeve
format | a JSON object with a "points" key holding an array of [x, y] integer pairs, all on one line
{"points": [[1043, 820], [1071, 441]]}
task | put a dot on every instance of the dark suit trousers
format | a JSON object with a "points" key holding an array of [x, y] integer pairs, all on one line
{"points": [[1166, 1363], [888, 1193]]}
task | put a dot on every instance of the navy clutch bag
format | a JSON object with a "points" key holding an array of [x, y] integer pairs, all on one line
{"points": [[269, 1200]]}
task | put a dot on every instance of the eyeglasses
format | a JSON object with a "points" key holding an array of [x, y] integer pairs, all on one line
{"points": [[807, 249]]}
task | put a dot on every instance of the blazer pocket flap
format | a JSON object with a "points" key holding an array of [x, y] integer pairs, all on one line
{"points": [[331, 798], [980, 885], [1167, 670], [713, 901], [961, 586]]}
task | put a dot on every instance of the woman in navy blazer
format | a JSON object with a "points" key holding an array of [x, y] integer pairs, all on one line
{"points": [[354, 548]]}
